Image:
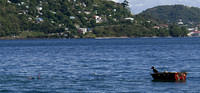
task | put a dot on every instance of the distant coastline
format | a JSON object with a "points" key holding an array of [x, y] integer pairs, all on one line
{"points": [[112, 37], [123, 37]]}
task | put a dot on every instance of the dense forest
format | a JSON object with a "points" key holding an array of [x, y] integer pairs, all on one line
{"points": [[77, 19], [139, 31], [173, 13]]}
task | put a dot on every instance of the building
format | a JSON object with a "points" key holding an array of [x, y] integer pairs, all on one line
{"points": [[98, 19], [194, 34], [39, 20], [180, 22], [156, 27], [129, 18], [82, 30], [72, 17], [163, 25]]}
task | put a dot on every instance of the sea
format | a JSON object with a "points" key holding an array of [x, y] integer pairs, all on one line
{"points": [[98, 65]]}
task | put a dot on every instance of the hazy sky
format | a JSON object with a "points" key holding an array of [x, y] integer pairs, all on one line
{"points": [[138, 6]]}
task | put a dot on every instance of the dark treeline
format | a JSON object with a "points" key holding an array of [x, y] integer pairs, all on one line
{"points": [[139, 31]]}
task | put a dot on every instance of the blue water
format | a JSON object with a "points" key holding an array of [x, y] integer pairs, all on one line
{"points": [[97, 65]]}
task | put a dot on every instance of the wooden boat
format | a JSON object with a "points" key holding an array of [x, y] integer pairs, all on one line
{"points": [[169, 76]]}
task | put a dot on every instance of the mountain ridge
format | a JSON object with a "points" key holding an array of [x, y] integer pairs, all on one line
{"points": [[174, 13]]}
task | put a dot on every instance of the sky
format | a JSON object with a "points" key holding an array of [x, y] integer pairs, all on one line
{"points": [[138, 6]]}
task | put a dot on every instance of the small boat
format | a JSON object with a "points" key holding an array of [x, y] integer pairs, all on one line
{"points": [[170, 76]]}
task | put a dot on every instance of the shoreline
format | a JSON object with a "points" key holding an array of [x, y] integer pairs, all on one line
{"points": [[112, 37], [124, 37]]}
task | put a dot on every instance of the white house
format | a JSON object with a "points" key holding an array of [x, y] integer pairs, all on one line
{"points": [[39, 19], [39, 8], [87, 12], [191, 29], [129, 18], [180, 22], [98, 19], [82, 30], [72, 17], [9, 1]]}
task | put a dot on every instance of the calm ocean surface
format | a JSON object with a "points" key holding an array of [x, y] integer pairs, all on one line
{"points": [[97, 65]]}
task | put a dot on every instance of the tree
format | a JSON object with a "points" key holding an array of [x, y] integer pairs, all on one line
{"points": [[125, 3]]}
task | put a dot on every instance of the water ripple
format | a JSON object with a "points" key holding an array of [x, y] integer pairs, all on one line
{"points": [[97, 66]]}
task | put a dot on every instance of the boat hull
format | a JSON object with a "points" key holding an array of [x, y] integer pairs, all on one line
{"points": [[169, 76]]}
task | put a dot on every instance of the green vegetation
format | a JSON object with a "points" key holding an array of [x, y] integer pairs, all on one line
{"points": [[172, 13], [77, 19], [139, 31], [32, 34]]}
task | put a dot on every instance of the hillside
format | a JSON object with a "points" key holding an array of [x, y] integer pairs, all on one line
{"points": [[175, 13], [75, 19], [53, 16]]}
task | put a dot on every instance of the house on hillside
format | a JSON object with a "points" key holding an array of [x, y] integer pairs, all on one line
{"points": [[191, 29], [164, 25], [180, 22], [72, 17], [194, 34], [129, 19], [9, 1], [82, 30], [161, 26], [39, 20], [87, 12], [39, 8], [156, 27], [98, 19]]}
